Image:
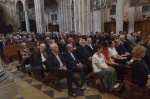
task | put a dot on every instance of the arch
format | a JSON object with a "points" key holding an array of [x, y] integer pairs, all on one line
{"points": [[19, 6]]}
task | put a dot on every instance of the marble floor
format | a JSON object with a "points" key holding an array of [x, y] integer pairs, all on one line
{"points": [[29, 88]]}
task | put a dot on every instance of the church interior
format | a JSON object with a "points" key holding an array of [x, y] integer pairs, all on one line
{"points": [[74, 49]]}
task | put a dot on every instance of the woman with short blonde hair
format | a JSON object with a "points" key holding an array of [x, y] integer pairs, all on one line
{"points": [[140, 70]]}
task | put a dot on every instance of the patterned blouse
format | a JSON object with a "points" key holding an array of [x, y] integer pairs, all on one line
{"points": [[25, 52]]}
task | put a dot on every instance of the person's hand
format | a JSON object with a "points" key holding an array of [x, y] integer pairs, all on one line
{"points": [[125, 57], [64, 68], [44, 66], [60, 68], [90, 58], [80, 65], [111, 68]]}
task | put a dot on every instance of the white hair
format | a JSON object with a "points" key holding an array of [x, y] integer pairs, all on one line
{"points": [[52, 45], [23, 43], [121, 36]]}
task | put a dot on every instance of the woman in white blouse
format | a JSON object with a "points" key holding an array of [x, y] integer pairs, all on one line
{"points": [[114, 54], [100, 67]]}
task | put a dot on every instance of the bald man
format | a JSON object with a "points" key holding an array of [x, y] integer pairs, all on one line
{"points": [[58, 67], [40, 58], [74, 64]]}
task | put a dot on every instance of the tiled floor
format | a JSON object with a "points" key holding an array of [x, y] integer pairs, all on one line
{"points": [[29, 88]]}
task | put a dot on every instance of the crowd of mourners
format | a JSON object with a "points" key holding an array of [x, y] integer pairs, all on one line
{"points": [[108, 52]]}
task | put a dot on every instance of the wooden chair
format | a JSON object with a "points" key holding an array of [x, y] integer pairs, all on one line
{"points": [[50, 80], [97, 80], [136, 92], [21, 61], [33, 73]]}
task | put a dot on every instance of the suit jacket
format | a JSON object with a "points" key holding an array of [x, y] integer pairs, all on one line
{"points": [[71, 63], [54, 64], [121, 49], [90, 50], [132, 42], [138, 39], [62, 48], [38, 59], [83, 54]]}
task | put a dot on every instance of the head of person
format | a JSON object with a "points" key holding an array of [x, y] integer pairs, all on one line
{"points": [[62, 42], [24, 38], [54, 48], [105, 45], [42, 47], [82, 42], [122, 38], [69, 47], [70, 40], [52, 41], [133, 34], [111, 43], [37, 43], [148, 37], [117, 42], [99, 48], [88, 41], [138, 33], [138, 52], [23, 45], [120, 32], [97, 40]]}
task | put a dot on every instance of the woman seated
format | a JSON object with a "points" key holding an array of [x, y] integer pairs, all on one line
{"points": [[114, 54], [100, 67], [140, 70], [89, 46], [120, 68], [25, 53]]}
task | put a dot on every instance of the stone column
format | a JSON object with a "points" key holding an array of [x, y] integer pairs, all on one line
{"points": [[7, 85], [27, 19], [119, 16], [39, 13], [18, 20], [131, 20]]}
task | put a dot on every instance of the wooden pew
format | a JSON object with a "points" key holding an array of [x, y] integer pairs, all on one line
{"points": [[11, 50]]}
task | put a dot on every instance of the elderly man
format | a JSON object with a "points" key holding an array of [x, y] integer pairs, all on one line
{"points": [[58, 67], [83, 55], [70, 41], [74, 64], [40, 58]]}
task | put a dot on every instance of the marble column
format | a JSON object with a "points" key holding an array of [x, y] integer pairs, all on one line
{"points": [[97, 21], [119, 16], [27, 19], [131, 20], [18, 20], [8, 87], [39, 13]]}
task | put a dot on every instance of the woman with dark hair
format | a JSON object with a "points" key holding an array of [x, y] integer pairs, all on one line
{"points": [[114, 54], [100, 67], [120, 68]]}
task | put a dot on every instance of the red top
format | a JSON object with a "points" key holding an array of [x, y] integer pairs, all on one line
{"points": [[106, 54]]}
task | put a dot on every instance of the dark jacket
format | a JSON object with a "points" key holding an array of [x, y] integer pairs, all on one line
{"points": [[83, 54], [140, 72], [38, 59], [62, 48], [121, 49], [54, 64], [90, 50], [71, 63]]}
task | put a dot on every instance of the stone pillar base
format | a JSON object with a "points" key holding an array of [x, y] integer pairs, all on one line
{"points": [[8, 89]]}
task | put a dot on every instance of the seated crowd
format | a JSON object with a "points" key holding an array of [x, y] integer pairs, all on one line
{"points": [[109, 53]]}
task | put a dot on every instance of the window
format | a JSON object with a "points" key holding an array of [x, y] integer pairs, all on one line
{"points": [[54, 17], [113, 10], [146, 8]]}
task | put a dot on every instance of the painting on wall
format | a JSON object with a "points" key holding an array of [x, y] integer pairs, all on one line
{"points": [[100, 4], [134, 3]]}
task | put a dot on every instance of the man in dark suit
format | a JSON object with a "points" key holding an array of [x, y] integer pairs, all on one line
{"points": [[74, 64], [58, 67], [2, 43], [70, 41], [40, 58], [83, 55]]}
